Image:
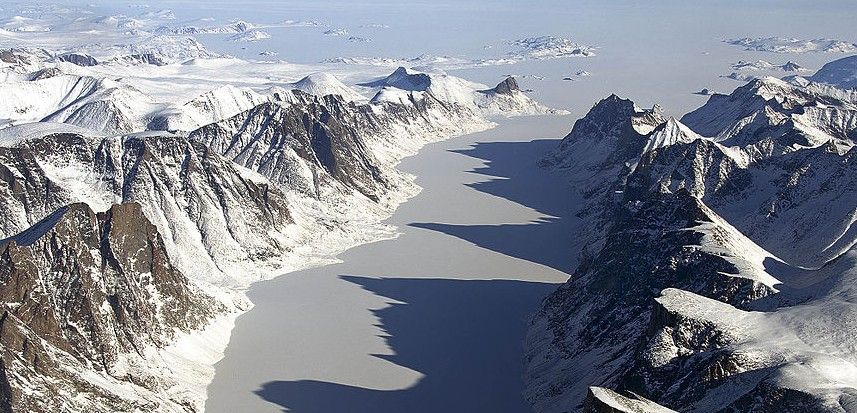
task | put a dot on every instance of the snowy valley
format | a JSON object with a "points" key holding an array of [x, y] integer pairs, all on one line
{"points": [[225, 187], [322, 208]]}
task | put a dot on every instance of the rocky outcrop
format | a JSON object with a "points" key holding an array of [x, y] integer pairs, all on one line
{"points": [[300, 146], [588, 330], [507, 87], [85, 296], [724, 253], [26, 192], [221, 219], [217, 215], [79, 59], [601, 400], [122, 245], [318, 145], [140, 59]]}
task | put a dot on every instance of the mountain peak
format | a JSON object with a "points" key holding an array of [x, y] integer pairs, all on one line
{"points": [[792, 67], [669, 133], [507, 86], [613, 106], [323, 84], [405, 79]]}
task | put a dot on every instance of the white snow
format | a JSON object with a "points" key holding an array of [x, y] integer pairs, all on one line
{"points": [[794, 45], [250, 36], [15, 135], [336, 32], [126, 99], [324, 83], [550, 47]]}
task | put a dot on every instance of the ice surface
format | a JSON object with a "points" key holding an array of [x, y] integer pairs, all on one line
{"points": [[677, 58]]}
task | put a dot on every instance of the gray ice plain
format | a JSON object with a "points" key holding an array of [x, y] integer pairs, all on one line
{"points": [[433, 320], [430, 321]]}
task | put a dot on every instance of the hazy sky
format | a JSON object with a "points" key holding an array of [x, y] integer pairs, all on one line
{"points": [[651, 51]]}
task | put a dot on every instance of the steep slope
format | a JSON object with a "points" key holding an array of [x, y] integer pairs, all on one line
{"points": [[810, 192], [587, 331], [233, 186], [786, 114], [721, 281], [96, 104], [786, 171], [88, 301], [599, 151], [840, 73], [218, 219], [320, 146], [214, 216], [506, 99]]}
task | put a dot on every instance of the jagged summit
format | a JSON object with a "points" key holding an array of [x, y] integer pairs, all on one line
{"points": [[614, 116], [609, 139], [611, 111], [791, 66], [718, 282], [80, 59], [669, 133], [507, 86], [775, 110]]}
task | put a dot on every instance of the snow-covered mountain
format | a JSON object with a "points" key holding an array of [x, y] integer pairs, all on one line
{"points": [[404, 84], [841, 73], [323, 84], [178, 204], [97, 104], [717, 274], [794, 45], [89, 302]]}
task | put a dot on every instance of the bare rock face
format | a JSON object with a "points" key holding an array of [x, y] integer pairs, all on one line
{"points": [[602, 314], [507, 87], [45, 73], [315, 145], [216, 213], [26, 192], [23, 56], [321, 135], [84, 295], [218, 216], [141, 58], [80, 59]]}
